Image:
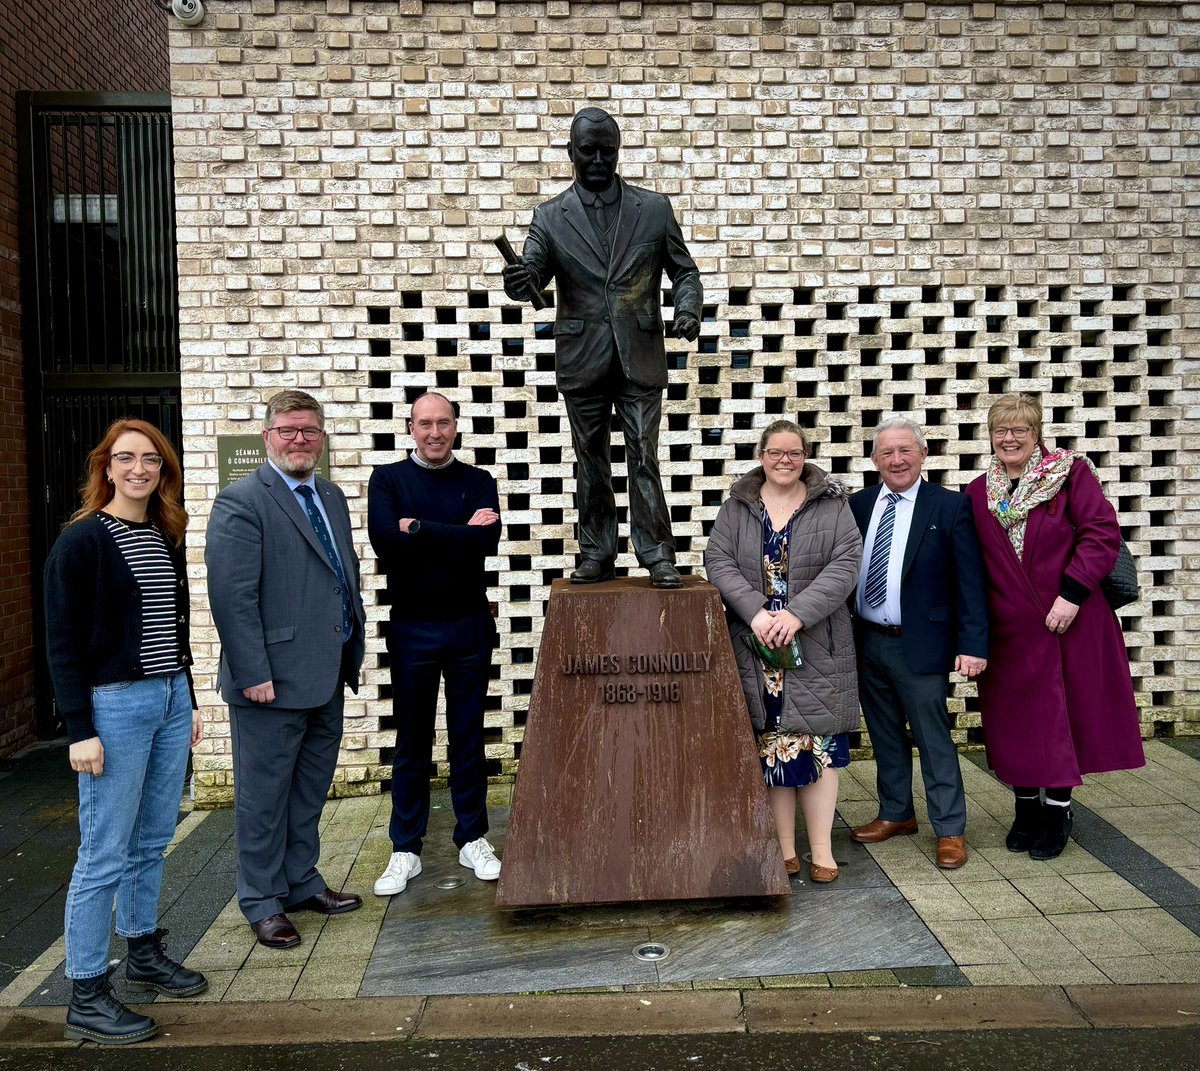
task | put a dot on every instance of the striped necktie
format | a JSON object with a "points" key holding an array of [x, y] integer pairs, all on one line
{"points": [[322, 530], [875, 591]]}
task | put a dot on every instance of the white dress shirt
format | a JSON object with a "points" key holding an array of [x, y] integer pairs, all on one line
{"points": [[888, 611]]}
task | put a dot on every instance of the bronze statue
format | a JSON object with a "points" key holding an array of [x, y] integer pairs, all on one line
{"points": [[607, 244]]}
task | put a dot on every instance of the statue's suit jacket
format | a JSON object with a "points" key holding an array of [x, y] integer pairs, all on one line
{"points": [[604, 301], [275, 596]]}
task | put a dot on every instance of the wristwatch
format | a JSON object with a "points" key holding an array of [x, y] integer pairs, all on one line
{"points": [[414, 526]]}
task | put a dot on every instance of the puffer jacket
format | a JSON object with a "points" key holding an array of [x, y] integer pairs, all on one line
{"points": [[824, 556]]}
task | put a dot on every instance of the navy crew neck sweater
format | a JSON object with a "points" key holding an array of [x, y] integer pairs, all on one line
{"points": [[436, 574]]}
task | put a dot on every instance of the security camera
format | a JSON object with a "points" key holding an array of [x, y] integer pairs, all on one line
{"points": [[189, 12]]}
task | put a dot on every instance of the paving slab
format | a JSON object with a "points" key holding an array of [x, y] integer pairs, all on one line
{"points": [[574, 1015], [976, 1008]]}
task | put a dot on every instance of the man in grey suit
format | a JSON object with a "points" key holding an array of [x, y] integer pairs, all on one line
{"points": [[607, 245], [284, 593]]}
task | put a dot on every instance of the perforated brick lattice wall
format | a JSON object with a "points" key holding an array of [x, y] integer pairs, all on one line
{"points": [[894, 209]]}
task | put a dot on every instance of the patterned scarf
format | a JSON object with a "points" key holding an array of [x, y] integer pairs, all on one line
{"points": [[1042, 479]]}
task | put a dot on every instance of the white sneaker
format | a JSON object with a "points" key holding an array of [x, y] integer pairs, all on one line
{"points": [[401, 867], [480, 856]]}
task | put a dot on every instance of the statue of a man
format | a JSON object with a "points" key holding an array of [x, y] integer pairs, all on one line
{"points": [[607, 244]]}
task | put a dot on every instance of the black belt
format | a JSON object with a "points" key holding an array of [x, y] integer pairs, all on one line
{"points": [[887, 630]]}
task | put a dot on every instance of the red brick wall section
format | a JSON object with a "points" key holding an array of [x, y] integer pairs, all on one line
{"points": [[114, 46]]}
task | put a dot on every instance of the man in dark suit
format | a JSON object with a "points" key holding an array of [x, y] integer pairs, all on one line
{"points": [[920, 610], [607, 245], [283, 589]]}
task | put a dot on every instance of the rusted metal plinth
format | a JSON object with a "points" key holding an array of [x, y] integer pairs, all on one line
{"points": [[639, 777]]}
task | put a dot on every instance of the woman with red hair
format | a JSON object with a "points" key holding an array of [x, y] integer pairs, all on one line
{"points": [[117, 645]]}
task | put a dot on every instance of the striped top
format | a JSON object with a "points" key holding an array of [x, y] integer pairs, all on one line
{"points": [[145, 552]]}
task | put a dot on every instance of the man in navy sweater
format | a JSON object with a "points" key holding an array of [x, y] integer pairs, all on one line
{"points": [[433, 521]]}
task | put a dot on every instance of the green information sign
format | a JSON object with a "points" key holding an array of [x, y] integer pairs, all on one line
{"points": [[240, 455]]}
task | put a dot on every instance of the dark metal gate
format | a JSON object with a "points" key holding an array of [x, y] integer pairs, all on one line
{"points": [[99, 293]]}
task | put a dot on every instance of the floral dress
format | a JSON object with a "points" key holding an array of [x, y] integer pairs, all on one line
{"points": [[790, 760]]}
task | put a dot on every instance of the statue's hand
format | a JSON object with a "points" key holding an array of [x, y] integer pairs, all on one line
{"points": [[518, 281], [687, 326]]}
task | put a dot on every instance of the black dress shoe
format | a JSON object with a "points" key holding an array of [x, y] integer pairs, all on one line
{"points": [[276, 931], [592, 572], [328, 902], [665, 575]]}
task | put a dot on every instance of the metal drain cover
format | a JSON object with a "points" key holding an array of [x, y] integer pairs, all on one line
{"points": [[450, 883], [651, 953]]}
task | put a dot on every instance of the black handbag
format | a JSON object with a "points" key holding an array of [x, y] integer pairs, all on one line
{"points": [[1120, 587]]}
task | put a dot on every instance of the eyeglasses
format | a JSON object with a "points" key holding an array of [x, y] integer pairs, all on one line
{"points": [[779, 455], [311, 435], [1016, 433], [127, 461]]}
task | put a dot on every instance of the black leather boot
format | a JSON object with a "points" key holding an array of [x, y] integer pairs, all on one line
{"points": [[95, 1014], [149, 967], [1026, 827], [1056, 831]]}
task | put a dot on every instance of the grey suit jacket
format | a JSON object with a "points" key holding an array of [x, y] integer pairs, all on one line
{"points": [[606, 301], [275, 598]]}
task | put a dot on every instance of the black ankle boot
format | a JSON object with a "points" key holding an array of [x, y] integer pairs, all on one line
{"points": [[95, 1014], [149, 967], [1056, 831], [1026, 827]]}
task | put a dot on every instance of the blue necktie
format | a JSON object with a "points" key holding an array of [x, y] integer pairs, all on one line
{"points": [[875, 591], [318, 523]]}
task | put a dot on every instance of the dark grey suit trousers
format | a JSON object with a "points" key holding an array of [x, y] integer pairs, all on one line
{"points": [[892, 694], [283, 764]]}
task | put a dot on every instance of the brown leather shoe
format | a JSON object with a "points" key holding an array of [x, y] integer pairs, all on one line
{"points": [[328, 902], [792, 866], [276, 931], [822, 875], [951, 852], [879, 830]]}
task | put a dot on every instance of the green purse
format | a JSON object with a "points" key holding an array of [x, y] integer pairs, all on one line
{"points": [[788, 657]]}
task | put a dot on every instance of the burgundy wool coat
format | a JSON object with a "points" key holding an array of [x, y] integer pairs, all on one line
{"points": [[1055, 707]]}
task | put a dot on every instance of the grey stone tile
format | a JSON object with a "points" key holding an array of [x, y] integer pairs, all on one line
{"points": [[1097, 935], [997, 900], [1138, 970], [1156, 930], [931, 976], [1052, 894], [1109, 892]]}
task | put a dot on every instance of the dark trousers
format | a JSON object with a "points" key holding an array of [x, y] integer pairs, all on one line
{"points": [[892, 694], [639, 413], [283, 763], [423, 653]]}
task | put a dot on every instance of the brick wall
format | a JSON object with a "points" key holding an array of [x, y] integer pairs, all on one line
{"points": [[46, 45], [894, 207]]}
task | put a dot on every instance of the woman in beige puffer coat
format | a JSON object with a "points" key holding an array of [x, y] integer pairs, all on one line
{"points": [[785, 554]]}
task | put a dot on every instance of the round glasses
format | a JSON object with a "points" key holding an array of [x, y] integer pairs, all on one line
{"points": [[127, 460]]}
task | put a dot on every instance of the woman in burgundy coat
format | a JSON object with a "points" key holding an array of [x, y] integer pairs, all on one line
{"points": [[1056, 697]]}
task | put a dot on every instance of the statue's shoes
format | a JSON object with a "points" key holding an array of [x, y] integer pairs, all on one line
{"points": [[665, 575], [592, 572]]}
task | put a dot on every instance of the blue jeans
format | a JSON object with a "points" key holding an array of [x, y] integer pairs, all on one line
{"points": [[127, 815]]}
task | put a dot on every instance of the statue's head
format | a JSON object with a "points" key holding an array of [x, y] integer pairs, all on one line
{"points": [[594, 147]]}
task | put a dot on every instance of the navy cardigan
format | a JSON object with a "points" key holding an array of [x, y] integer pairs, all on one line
{"points": [[94, 619]]}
